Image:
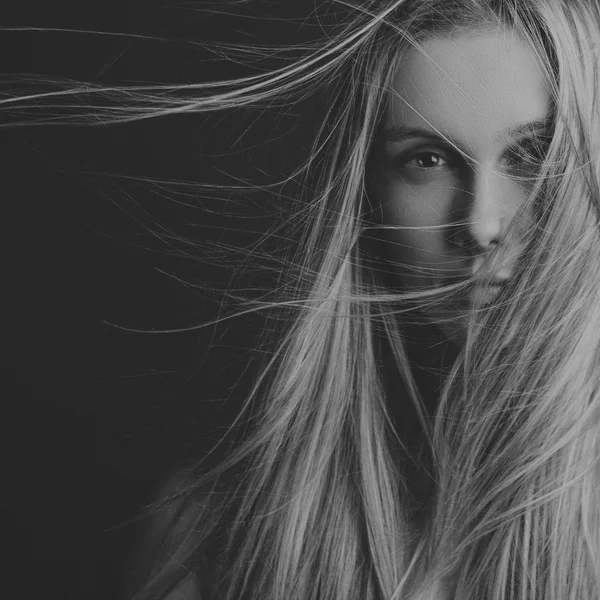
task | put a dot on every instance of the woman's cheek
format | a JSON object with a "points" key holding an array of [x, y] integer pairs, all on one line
{"points": [[417, 249]]}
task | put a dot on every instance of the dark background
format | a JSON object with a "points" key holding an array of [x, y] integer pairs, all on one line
{"points": [[96, 416]]}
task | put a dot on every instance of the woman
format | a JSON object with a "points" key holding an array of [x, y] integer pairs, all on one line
{"points": [[429, 425]]}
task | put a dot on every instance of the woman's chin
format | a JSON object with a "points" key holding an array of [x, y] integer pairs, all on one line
{"points": [[452, 313]]}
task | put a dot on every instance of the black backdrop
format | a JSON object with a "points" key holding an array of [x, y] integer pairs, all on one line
{"points": [[94, 415]]}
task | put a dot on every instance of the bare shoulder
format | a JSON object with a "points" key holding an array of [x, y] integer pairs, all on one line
{"points": [[188, 590], [181, 502], [170, 532]]}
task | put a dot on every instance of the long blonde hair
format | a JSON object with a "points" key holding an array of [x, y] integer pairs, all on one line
{"points": [[320, 506]]}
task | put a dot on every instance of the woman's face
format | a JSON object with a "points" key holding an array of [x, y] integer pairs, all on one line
{"points": [[486, 94]]}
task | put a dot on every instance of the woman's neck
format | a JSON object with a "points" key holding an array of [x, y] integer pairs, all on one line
{"points": [[430, 357]]}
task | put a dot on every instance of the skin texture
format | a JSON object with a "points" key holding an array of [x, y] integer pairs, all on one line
{"points": [[473, 89]]}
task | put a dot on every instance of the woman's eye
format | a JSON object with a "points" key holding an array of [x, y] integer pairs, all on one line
{"points": [[521, 155], [527, 155], [426, 160]]}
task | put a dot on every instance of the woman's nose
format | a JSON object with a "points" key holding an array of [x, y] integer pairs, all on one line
{"points": [[492, 202]]}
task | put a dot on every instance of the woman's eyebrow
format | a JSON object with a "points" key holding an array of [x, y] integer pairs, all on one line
{"points": [[398, 133], [543, 126]]}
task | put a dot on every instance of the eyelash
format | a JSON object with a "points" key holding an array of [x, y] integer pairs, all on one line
{"points": [[407, 159], [530, 152]]}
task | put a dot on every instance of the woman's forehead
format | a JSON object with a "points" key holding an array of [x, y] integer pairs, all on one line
{"points": [[471, 88]]}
